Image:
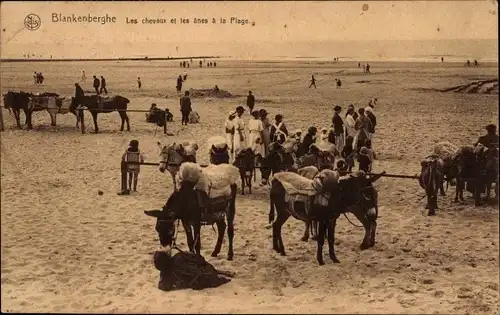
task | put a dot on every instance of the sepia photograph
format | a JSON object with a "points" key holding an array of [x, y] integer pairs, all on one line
{"points": [[234, 157]]}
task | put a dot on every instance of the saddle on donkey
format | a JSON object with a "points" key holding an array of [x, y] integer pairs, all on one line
{"points": [[219, 150], [213, 185], [307, 192]]}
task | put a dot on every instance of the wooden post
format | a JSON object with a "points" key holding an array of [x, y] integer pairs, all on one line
{"points": [[1, 119], [82, 120], [165, 125]]}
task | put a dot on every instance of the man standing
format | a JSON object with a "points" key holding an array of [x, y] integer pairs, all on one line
{"points": [[84, 77], [313, 82], [96, 85], [185, 102], [139, 83], [369, 113], [490, 140], [338, 128], [362, 125], [250, 101], [179, 83], [103, 85]]}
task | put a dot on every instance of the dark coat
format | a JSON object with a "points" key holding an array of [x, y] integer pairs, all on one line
{"points": [[185, 102]]}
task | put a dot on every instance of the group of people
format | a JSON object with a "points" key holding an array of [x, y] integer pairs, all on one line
{"points": [[186, 64], [366, 68], [38, 78], [180, 81], [352, 135]]}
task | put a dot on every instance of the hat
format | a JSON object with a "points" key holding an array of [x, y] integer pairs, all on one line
{"points": [[240, 109], [363, 151], [278, 116], [231, 113], [337, 108], [255, 113], [369, 109], [491, 127], [263, 112], [351, 106]]}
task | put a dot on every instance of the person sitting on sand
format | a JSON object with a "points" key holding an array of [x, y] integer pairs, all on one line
{"points": [[170, 116], [216, 89]]}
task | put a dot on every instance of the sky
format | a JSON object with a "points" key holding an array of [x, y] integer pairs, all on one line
{"points": [[276, 22]]}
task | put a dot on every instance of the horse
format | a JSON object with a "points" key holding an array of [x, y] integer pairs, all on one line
{"points": [[476, 168], [431, 179], [96, 105], [278, 160], [173, 156], [194, 207], [53, 104], [245, 162], [17, 101], [219, 150], [354, 194]]}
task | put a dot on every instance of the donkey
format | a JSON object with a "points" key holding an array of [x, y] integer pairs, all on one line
{"points": [[194, 208], [277, 161], [54, 105], [353, 194], [172, 157], [245, 162], [97, 104], [431, 180], [17, 101], [219, 155]]}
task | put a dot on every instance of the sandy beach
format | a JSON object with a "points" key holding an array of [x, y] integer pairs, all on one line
{"points": [[67, 249]]}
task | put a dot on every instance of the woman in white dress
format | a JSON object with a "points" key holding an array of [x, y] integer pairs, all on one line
{"points": [[229, 131], [255, 135], [239, 130]]}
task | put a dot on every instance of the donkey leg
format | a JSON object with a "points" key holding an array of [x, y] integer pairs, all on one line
{"points": [[243, 183], [321, 242], [221, 229], [249, 179], [278, 224], [314, 230], [28, 114], [128, 121], [17, 116], [189, 235], [197, 237], [367, 225], [94, 117], [331, 239], [52, 119], [123, 121], [305, 238]]}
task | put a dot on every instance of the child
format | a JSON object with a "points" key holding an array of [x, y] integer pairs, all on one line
{"points": [[371, 153], [348, 152], [365, 163], [133, 155], [342, 167], [170, 116]]}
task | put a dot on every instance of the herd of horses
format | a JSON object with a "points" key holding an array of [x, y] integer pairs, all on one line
{"points": [[15, 102]]}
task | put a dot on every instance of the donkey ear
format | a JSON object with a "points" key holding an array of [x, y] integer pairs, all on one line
{"points": [[154, 213]]}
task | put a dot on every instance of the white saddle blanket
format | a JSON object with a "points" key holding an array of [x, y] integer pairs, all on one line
{"points": [[296, 184], [215, 180]]}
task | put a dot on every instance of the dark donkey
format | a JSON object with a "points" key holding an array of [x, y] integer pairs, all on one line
{"points": [[96, 105], [431, 180], [17, 101], [354, 194], [245, 162], [194, 208]]}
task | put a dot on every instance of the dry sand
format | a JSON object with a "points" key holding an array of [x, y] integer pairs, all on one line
{"points": [[66, 249]]}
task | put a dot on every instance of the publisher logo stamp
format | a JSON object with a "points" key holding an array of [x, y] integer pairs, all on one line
{"points": [[32, 22]]}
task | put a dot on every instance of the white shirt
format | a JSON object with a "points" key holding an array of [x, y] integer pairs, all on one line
{"points": [[255, 125]]}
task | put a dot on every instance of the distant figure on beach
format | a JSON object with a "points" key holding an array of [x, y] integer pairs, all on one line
{"points": [[468, 63], [442, 59], [185, 76], [216, 88], [201, 64], [139, 83], [40, 78], [84, 77], [179, 83], [313, 82], [215, 64], [96, 85], [250, 101], [368, 68], [35, 77], [339, 83], [188, 65], [364, 68], [359, 65], [185, 103], [475, 63], [180, 64], [103, 86], [184, 64]]}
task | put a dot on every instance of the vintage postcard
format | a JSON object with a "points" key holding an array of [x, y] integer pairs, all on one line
{"points": [[249, 157]]}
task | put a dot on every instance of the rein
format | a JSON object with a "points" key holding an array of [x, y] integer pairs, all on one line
{"points": [[350, 220]]}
